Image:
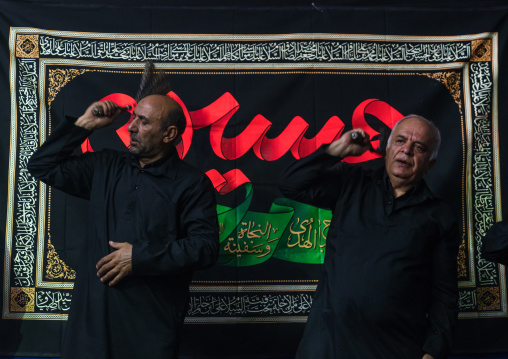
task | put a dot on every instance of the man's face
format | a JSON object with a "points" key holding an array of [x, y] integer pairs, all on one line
{"points": [[148, 141], [408, 153]]}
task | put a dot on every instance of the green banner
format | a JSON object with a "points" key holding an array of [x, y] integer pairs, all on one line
{"points": [[304, 239], [290, 231]]}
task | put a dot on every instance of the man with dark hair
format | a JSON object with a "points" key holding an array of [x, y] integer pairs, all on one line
{"points": [[152, 222], [389, 284]]}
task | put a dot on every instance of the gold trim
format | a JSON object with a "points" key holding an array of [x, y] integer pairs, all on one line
{"points": [[452, 80], [481, 50], [22, 299], [462, 260], [58, 78], [56, 268], [489, 298], [27, 46]]}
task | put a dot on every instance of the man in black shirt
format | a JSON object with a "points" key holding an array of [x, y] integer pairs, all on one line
{"points": [[389, 285], [152, 222]]}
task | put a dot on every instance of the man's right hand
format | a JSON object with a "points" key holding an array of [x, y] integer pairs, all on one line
{"points": [[109, 111], [345, 146]]}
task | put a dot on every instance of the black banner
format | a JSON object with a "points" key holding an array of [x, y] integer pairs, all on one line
{"points": [[260, 89]]}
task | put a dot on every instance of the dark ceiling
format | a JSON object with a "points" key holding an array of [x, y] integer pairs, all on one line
{"points": [[275, 3]]}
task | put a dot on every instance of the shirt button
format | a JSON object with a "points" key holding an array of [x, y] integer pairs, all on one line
{"points": [[136, 187], [389, 202]]}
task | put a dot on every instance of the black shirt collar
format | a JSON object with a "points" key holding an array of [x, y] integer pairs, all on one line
{"points": [[419, 192], [165, 166]]}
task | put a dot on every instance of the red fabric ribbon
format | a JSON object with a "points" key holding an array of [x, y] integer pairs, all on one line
{"points": [[217, 115], [381, 110]]}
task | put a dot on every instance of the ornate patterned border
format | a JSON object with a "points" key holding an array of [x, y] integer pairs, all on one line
{"points": [[472, 59]]}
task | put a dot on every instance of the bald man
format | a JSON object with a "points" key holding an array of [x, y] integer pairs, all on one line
{"points": [[152, 222]]}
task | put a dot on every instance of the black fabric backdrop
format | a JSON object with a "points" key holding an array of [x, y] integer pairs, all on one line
{"points": [[313, 61]]}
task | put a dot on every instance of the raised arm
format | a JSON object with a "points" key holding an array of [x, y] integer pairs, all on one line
{"points": [[53, 162], [315, 179]]}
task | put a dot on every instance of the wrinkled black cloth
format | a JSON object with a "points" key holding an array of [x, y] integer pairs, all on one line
{"points": [[166, 210], [495, 244], [389, 281]]}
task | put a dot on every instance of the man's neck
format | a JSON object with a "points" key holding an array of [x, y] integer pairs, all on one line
{"points": [[398, 192], [400, 186], [144, 161]]}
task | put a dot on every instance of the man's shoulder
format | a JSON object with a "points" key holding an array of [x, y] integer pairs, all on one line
{"points": [[188, 173], [357, 174], [369, 172], [434, 197], [441, 207], [110, 155]]}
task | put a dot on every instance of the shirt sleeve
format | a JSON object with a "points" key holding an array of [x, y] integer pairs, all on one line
{"points": [[443, 309], [199, 247], [54, 164], [313, 180]]}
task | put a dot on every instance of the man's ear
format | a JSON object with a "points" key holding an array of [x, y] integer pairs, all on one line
{"points": [[170, 134]]}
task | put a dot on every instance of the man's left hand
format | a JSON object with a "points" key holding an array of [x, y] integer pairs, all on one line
{"points": [[117, 265], [428, 356]]}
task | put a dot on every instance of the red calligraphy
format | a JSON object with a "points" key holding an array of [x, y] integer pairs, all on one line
{"points": [[254, 136]]}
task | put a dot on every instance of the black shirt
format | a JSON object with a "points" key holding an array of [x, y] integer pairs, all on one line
{"points": [[389, 284], [166, 210]]}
